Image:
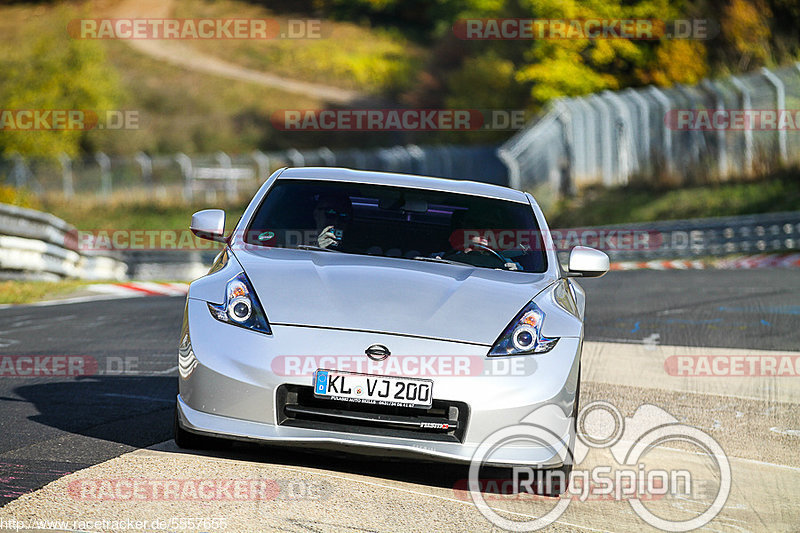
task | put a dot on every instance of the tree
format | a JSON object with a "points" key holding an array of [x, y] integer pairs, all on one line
{"points": [[55, 73]]}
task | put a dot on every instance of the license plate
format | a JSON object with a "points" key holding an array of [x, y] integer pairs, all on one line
{"points": [[367, 388]]}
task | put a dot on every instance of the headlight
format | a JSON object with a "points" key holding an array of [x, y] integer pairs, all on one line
{"points": [[241, 307], [524, 334]]}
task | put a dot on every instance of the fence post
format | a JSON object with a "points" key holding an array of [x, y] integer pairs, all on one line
{"points": [[566, 164], [359, 158], [295, 158], [224, 161], [605, 134], [66, 175], [105, 173], [780, 101], [748, 132], [627, 154], [262, 162], [447, 161], [664, 101], [722, 144], [20, 171], [643, 134], [327, 156], [185, 162], [511, 163], [417, 155], [589, 146], [146, 165]]}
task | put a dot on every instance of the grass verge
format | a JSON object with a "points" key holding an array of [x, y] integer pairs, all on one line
{"points": [[598, 206], [23, 292], [121, 213]]}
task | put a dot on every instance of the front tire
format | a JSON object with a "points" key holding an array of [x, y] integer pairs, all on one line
{"points": [[565, 470]]}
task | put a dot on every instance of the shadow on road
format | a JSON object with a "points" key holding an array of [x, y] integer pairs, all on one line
{"points": [[137, 412], [134, 411]]}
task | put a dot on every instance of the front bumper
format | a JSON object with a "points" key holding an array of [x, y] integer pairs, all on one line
{"points": [[229, 383]]}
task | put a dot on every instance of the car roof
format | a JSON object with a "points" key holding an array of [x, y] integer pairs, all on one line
{"points": [[404, 180]]}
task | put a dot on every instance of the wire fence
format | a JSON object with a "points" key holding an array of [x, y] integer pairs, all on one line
{"points": [[738, 126], [733, 127], [229, 175]]}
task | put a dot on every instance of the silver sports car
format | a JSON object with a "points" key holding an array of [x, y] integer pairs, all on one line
{"points": [[383, 313]]}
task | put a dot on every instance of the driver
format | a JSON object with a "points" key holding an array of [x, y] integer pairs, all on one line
{"points": [[472, 248], [332, 215]]}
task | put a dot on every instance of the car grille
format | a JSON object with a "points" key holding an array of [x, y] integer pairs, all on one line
{"points": [[445, 421]]}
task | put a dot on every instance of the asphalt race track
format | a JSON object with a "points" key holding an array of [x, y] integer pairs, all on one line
{"points": [[51, 427]]}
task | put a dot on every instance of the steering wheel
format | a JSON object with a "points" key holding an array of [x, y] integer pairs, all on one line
{"points": [[483, 250]]}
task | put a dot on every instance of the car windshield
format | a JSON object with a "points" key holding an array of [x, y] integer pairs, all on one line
{"points": [[389, 221]]}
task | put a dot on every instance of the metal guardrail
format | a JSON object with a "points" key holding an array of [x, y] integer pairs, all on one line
{"points": [[39, 245], [689, 238], [665, 240]]}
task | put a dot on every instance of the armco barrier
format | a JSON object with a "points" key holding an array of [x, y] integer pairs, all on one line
{"points": [[690, 238], [39, 245]]}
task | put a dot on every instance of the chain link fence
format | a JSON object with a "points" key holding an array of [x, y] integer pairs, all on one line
{"points": [[653, 135], [209, 175]]}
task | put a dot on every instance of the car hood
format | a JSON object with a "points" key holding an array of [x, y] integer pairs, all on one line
{"points": [[387, 295]]}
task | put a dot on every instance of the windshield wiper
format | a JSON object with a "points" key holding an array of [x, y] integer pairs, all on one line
{"points": [[438, 260], [316, 248], [448, 261]]}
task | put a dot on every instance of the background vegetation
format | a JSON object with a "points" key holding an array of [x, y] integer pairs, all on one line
{"points": [[396, 52]]}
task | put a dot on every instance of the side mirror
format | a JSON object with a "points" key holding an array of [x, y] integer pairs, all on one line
{"points": [[585, 262], [209, 224]]}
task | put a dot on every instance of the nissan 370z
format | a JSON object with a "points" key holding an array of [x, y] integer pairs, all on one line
{"points": [[383, 314]]}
